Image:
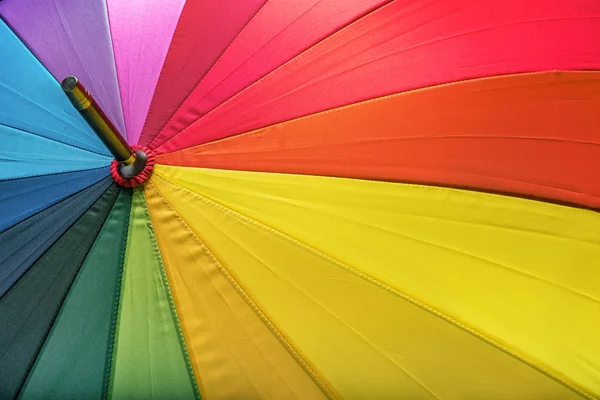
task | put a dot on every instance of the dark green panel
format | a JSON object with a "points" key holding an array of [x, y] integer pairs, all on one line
{"points": [[29, 308], [73, 359]]}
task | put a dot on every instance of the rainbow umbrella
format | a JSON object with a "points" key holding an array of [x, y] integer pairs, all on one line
{"points": [[239, 199]]}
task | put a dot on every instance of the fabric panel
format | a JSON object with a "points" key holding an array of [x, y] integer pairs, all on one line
{"points": [[71, 38], [25, 197], [28, 309], [478, 134], [149, 361], [406, 45], [522, 273], [32, 99], [234, 353], [143, 28], [281, 30], [22, 244], [72, 362], [204, 30], [24, 154]]}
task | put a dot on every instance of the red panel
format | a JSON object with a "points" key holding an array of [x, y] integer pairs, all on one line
{"points": [[406, 45], [281, 30], [534, 135], [204, 30]]}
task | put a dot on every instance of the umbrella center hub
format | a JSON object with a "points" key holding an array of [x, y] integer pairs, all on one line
{"points": [[137, 172]]}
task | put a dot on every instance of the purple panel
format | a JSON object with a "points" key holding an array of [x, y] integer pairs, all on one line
{"points": [[71, 37], [143, 28]]}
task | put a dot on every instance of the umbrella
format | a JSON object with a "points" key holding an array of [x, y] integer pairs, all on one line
{"points": [[238, 199]]}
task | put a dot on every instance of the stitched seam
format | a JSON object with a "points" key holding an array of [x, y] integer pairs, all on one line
{"points": [[263, 317], [112, 336], [374, 99], [61, 173], [163, 275], [390, 289], [66, 143], [305, 53]]}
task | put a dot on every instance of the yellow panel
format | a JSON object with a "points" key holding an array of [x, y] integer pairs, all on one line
{"points": [[520, 272], [234, 354]]}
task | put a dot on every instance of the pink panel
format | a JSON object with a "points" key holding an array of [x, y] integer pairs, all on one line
{"points": [[280, 30], [205, 29], [141, 34], [406, 45]]}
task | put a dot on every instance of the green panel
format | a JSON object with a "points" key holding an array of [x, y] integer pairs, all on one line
{"points": [[28, 310], [149, 360], [72, 363]]}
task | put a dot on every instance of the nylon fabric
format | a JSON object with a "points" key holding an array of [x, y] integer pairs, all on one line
{"points": [[70, 38], [406, 45], [25, 197], [33, 101], [521, 273], [143, 28], [233, 352], [193, 51], [22, 244], [281, 30], [477, 134], [29, 308], [149, 361], [24, 154], [71, 363]]}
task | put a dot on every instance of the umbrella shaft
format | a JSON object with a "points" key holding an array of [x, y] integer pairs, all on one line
{"points": [[98, 120]]}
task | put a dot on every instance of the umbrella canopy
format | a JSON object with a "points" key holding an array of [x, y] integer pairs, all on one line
{"points": [[363, 199]]}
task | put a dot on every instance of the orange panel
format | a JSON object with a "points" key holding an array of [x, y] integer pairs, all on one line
{"points": [[534, 135]]}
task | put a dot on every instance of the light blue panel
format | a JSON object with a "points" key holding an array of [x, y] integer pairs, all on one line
{"points": [[23, 154], [33, 101]]}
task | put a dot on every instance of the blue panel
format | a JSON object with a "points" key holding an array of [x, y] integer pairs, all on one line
{"points": [[21, 198], [23, 154], [33, 101], [22, 244]]}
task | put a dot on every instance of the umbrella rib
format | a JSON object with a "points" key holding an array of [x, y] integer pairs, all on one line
{"points": [[395, 291], [53, 140], [262, 316]]}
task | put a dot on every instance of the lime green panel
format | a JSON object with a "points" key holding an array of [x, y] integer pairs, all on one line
{"points": [[72, 361], [149, 361]]}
